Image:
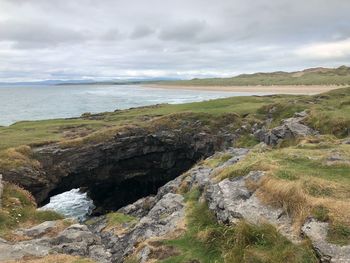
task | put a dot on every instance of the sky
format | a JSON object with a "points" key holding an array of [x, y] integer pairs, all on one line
{"points": [[122, 39]]}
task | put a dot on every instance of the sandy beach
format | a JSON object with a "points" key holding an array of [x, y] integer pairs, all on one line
{"points": [[283, 89]]}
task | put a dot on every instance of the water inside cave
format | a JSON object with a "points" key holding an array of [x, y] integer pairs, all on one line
{"points": [[72, 204]]}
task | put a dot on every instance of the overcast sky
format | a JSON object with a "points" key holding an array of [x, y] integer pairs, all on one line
{"points": [[108, 39]]}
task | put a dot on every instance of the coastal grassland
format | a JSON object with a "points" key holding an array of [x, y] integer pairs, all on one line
{"points": [[207, 241], [329, 113], [40, 132], [311, 178], [19, 210], [318, 76]]}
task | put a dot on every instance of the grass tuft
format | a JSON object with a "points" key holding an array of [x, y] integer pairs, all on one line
{"points": [[19, 210]]}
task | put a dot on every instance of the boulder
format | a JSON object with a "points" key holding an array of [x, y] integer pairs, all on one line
{"points": [[39, 230], [140, 208], [74, 240], [289, 129], [316, 231], [33, 248], [231, 200]]}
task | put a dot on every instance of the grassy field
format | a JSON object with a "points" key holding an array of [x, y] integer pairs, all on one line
{"points": [[317, 76]]}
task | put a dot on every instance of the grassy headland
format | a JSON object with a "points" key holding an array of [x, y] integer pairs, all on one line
{"points": [[313, 76], [308, 177]]}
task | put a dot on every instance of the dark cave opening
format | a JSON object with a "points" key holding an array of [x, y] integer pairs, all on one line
{"points": [[114, 185]]}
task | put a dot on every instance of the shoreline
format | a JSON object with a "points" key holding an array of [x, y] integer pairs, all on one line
{"points": [[276, 89]]}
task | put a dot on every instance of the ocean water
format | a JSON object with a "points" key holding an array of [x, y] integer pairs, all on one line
{"points": [[38, 102], [71, 204]]}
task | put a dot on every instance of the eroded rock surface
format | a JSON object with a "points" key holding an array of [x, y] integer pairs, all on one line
{"points": [[76, 239], [317, 232], [231, 200], [289, 129], [161, 216]]}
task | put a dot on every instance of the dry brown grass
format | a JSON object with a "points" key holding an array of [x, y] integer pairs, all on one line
{"points": [[301, 178], [288, 195], [19, 156]]}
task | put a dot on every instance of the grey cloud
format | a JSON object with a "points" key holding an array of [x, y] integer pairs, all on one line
{"points": [[183, 31], [37, 33], [141, 32], [101, 39], [112, 35]]}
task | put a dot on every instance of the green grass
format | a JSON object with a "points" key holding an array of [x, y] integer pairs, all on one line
{"points": [[246, 141], [320, 213], [217, 160], [338, 76], [339, 234], [117, 219], [207, 241]]}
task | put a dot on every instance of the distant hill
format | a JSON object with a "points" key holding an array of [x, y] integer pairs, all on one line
{"points": [[312, 76]]}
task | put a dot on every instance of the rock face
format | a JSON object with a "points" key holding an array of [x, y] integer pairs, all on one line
{"points": [[37, 231], [231, 200], [75, 240], [157, 219], [317, 232], [118, 171], [291, 128], [162, 215]]}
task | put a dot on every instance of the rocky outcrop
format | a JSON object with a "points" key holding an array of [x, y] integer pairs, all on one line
{"points": [[290, 129], [317, 232], [75, 240], [38, 230], [157, 219], [118, 171], [232, 200], [161, 216]]}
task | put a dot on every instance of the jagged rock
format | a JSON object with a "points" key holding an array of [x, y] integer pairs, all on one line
{"points": [[36, 248], [199, 176], [74, 240], [316, 231], [231, 200], [139, 208], [290, 128], [39, 230], [99, 253], [143, 255], [162, 219]]}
